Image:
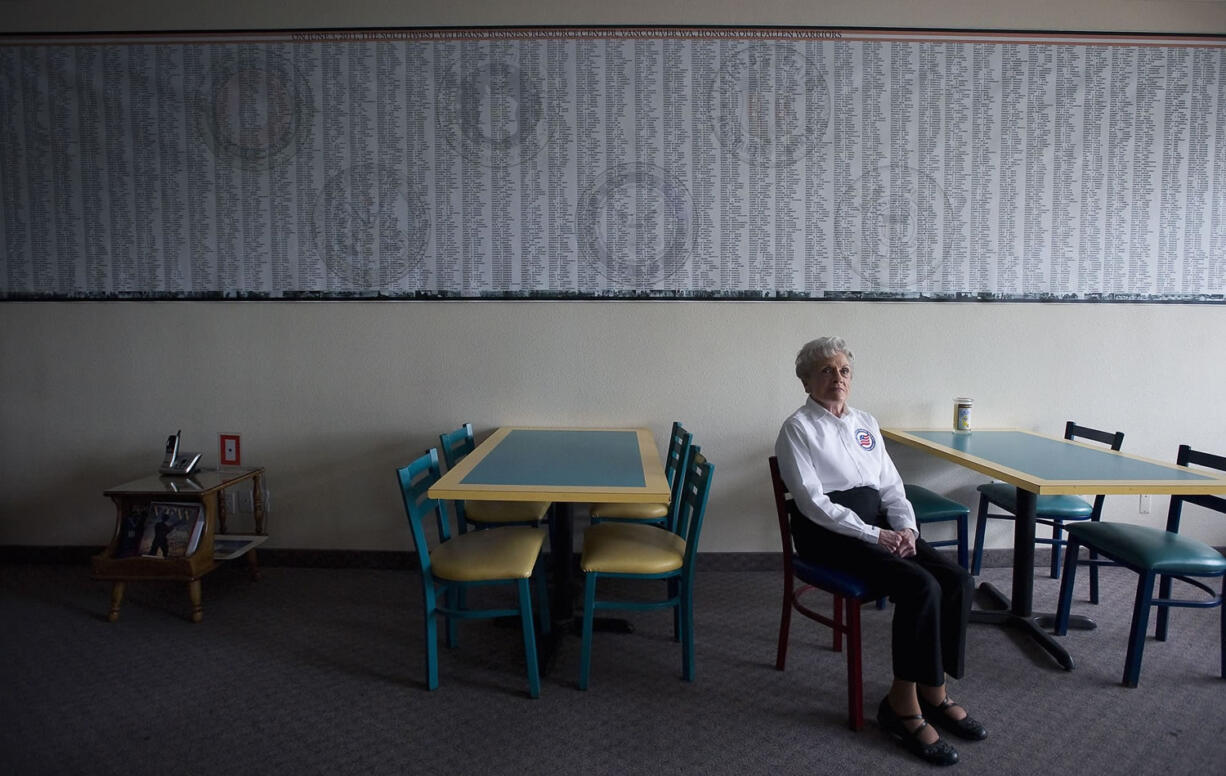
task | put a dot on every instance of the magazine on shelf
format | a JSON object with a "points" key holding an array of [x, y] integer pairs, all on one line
{"points": [[227, 546], [172, 529], [131, 529]]}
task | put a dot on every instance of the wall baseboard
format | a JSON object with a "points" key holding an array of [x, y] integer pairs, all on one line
{"points": [[383, 559]]}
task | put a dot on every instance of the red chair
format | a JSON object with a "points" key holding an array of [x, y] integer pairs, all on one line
{"points": [[848, 591]]}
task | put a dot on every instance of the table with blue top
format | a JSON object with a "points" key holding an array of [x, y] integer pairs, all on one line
{"points": [[564, 466], [1041, 465]]}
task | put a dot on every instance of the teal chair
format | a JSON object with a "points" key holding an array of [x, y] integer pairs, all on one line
{"points": [[933, 508], [638, 551], [508, 556], [1049, 510], [486, 514], [661, 515], [1152, 552]]}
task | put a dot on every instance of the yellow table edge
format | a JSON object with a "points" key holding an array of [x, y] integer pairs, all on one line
{"points": [[1213, 483], [654, 490]]}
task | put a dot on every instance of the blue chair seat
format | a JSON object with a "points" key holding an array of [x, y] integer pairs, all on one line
{"points": [[1145, 547], [828, 579], [1004, 495]]}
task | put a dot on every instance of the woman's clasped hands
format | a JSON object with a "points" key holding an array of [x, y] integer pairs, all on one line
{"points": [[900, 543]]}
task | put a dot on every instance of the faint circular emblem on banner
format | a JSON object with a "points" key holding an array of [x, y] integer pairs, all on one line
{"points": [[771, 105], [493, 114], [256, 109], [368, 228], [636, 225], [892, 227], [865, 439]]}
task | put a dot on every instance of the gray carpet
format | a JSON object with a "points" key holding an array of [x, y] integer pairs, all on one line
{"points": [[320, 671]]}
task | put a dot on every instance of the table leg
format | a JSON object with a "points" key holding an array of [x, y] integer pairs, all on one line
{"points": [[116, 600], [220, 500], [1018, 612], [194, 593], [257, 502], [561, 552]]}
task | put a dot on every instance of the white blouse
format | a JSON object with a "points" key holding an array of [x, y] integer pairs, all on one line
{"points": [[819, 452]]}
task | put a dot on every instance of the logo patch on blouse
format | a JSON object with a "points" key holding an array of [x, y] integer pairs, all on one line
{"points": [[865, 439]]}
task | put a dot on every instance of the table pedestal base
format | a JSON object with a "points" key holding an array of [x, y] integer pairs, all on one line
{"points": [[1032, 624]]}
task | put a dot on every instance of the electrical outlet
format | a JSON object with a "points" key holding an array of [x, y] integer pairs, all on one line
{"points": [[1143, 507], [245, 504]]}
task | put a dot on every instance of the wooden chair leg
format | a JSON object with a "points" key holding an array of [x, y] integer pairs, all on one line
{"points": [[1140, 623], [785, 624], [855, 683], [838, 621]]}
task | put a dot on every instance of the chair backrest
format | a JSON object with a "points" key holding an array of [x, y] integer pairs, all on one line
{"points": [[415, 479], [675, 461], [693, 502], [1115, 439], [457, 444], [783, 507], [1186, 457]]}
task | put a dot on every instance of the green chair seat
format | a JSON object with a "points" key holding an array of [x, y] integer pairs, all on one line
{"points": [[1156, 555], [1145, 547], [932, 507], [1004, 495], [1053, 510]]}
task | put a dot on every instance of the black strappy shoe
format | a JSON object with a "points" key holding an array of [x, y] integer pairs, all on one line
{"points": [[939, 752], [966, 727]]}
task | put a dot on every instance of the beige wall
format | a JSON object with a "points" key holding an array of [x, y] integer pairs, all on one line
{"points": [[331, 397]]}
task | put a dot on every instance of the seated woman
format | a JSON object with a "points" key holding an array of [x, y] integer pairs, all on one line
{"points": [[854, 516]]}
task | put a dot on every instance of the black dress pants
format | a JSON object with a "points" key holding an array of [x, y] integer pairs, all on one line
{"points": [[931, 593]]}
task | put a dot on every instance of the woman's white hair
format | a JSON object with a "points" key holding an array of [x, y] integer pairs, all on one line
{"points": [[816, 351]]}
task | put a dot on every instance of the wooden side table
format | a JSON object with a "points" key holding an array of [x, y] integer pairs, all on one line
{"points": [[203, 487]]}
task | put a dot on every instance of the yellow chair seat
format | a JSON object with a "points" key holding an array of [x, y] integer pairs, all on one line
{"points": [[627, 548], [505, 511], [629, 511], [508, 553]]}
